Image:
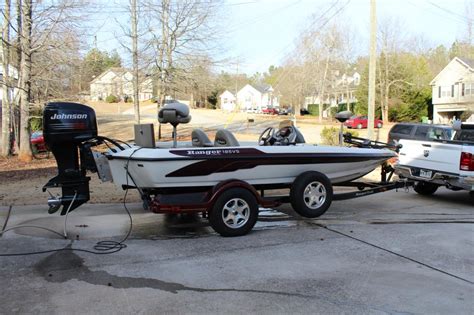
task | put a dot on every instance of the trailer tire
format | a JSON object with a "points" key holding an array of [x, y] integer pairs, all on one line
{"points": [[425, 188], [234, 213], [311, 194]]}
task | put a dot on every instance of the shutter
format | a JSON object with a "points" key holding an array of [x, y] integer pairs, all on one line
{"points": [[463, 88], [452, 90], [439, 91]]}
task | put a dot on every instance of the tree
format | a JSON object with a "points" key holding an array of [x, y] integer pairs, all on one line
{"points": [[96, 62], [6, 83], [185, 32], [25, 153]]}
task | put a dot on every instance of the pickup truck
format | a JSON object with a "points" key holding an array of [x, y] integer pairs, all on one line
{"points": [[436, 163]]}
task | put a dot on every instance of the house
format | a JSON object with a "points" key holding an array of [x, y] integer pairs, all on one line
{"points": [[146, 90], [256, 97], [113, 81], [453, 91], [13, 73], [227, 101], [339, 89]]}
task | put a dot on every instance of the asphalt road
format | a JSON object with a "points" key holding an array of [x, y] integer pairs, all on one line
{"points": [[395, 252]]}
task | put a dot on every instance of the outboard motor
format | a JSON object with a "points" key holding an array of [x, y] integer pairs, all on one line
{"points": [[67, 129]]}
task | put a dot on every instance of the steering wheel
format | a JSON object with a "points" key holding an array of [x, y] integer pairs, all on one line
{"points": [[267, 137]]}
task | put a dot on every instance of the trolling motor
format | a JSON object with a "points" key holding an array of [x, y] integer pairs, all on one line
{"points": [[68, 131]]}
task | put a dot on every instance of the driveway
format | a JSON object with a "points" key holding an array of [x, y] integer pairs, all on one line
{"points": [[393, 252]]}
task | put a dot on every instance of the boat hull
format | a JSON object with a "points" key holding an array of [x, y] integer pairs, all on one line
{"points": [[258, 166]]}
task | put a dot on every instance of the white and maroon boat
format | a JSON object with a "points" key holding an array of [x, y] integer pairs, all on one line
{"points": [[225, 179]]}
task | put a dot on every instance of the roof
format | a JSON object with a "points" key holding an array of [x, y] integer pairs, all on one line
{"points": [[117, 70], [466, 62], [262, 88]]}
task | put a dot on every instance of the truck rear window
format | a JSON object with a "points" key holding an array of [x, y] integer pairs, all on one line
{"points": [[465, 135], [402, 129]]}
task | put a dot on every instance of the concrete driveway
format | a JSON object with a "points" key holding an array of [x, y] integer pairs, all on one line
{"points": [[395, 252]]}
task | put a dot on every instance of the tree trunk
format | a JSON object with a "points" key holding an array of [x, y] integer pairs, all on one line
{"points": [[321, 100], [25, 153], [136, 104], [385, 108], [5, 144]]}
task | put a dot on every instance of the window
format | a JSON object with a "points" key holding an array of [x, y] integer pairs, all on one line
{"points": [[402, 129], [421, 132], [446, 91], [468, 89]]}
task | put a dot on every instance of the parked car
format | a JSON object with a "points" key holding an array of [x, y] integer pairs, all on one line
{"points": [[360, 122], [270, 111], [417, 131], [284, 111], [304, 111], [37, 142]]}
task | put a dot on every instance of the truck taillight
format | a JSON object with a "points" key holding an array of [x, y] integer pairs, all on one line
{"points": [[467, 162]]}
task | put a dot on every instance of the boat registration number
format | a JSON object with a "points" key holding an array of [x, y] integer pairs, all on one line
{"points": [[425, 173]]}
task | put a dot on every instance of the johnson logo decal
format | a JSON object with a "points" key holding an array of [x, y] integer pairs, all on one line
{"points": [[426, 153], [69, 116]]}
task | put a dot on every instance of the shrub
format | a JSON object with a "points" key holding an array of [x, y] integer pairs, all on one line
{"points": [[330, 135], [36, 123], [313, 109], [36, 118], [112, 99]]}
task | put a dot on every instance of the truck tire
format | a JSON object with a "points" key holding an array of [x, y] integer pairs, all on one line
{"points": [[425, 188], [311, 194], [234, 213]]}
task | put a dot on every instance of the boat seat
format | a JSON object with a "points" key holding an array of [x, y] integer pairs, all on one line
{"points": [[174, 114], [225, 138], [299, 136], [200, 139]]}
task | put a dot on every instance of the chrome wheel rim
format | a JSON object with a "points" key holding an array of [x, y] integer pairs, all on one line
{"points": [[235, 213], [314, 195]]}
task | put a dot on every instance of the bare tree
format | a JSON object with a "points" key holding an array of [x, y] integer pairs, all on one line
{"points": [[134, 35], [25, 153], [6, 84], [185, 32]]}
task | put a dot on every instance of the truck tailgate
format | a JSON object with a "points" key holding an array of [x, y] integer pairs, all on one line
{"points": [[443, 157]]}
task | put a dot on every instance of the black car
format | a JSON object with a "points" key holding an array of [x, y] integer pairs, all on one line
{"points": [[417, 131]]}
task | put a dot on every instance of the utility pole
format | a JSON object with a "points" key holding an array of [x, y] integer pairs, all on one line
{"points": [[372, 65], [136, 105]]}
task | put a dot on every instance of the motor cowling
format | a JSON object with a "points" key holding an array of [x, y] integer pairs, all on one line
{"points": [[67, 129]]}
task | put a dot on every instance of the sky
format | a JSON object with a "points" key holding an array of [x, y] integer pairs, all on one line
{"points": [[260, 33]]}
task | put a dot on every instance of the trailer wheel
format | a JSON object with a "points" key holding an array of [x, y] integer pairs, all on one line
{"points": [[311, 194], [425, 188], [234, 213]]}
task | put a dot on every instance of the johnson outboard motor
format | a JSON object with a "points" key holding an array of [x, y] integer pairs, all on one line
{"points": [[69, 131]]}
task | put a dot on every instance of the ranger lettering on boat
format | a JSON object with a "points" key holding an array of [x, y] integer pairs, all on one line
{"points": [[213, 152]]}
